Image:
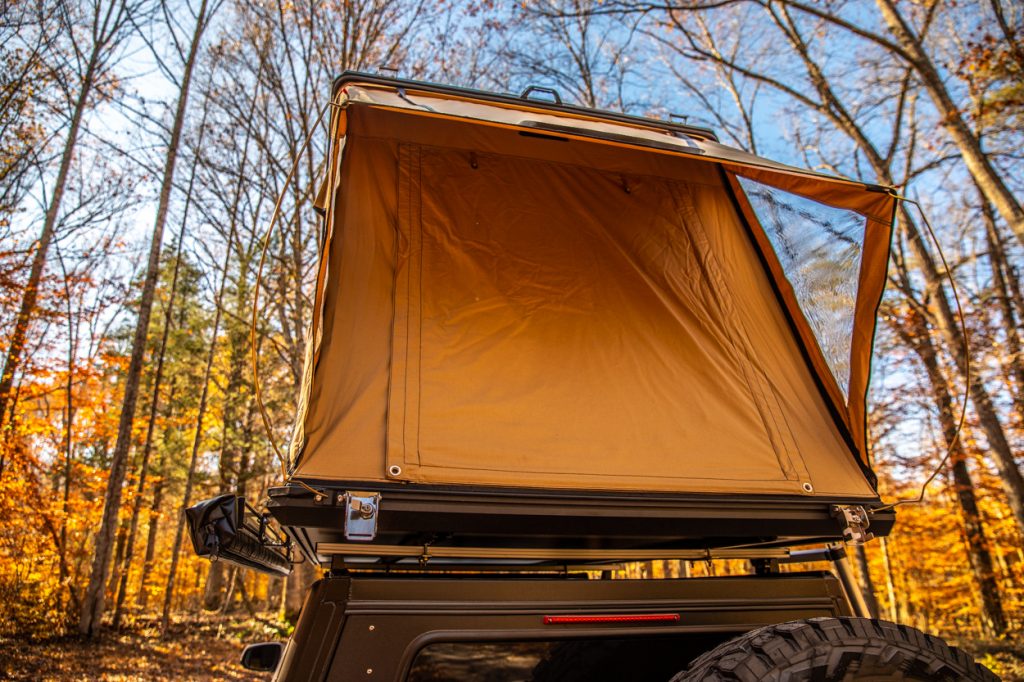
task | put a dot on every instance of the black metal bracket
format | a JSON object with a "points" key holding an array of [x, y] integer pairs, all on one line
{"points": [[854, 521]]}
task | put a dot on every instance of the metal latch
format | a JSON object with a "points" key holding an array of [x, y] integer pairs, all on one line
{"points": [[361, 515], [854, 521]]}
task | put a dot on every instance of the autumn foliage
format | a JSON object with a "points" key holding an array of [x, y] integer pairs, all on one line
{"points": [[925, 96]]}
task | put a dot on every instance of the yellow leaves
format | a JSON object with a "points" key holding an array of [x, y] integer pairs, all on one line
{"points": [[195, 651]]}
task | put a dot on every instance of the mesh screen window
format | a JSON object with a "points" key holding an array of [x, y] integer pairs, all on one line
{"points": [[819, 248]]}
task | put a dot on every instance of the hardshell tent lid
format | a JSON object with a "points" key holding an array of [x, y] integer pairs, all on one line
{"points": [[523, 295]]}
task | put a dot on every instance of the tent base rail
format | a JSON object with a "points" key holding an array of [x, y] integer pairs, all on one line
{"points": [[565, 522], [428, 553]]}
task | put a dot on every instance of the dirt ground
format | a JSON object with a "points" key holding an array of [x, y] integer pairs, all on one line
{"points": [[194, 650], [1005, 658]]}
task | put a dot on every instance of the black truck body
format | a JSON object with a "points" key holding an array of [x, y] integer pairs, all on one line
{"points": [[419, 628]]}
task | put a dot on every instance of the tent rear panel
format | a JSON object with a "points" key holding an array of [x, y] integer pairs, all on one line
{"points": [[508, 310]]}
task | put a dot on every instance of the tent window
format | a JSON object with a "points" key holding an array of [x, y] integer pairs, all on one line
{"points": [[819, 248]]}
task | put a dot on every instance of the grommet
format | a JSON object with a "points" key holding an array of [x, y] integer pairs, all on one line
{"points": [[808, 488], [394, 470]]}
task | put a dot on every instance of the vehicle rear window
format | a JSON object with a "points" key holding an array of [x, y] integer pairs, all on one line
{"points": [[637, 659]]}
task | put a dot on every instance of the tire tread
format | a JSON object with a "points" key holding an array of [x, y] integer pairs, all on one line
{"points": [[824, 648]]}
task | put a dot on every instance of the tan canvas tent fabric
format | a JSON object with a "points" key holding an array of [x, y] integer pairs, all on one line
{"points": [[500, 305]]}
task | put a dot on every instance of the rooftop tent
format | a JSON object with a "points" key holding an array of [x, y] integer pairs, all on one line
{"points": [[514, 295]]}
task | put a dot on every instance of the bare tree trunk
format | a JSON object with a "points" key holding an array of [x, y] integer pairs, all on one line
{"points": [[1013, 288], [69, 418], [1011, 328], [237, 338], [123, 568], [107, 26], [978, 163], [1005, 461], [154, 524], [905, 611], [1012, 41], [298, 583], [190, 475], [890, 583], [212, 597], [122, 538], [244, 594], [909, 48], [867, 586], [993, 617], [198, 436], [232, 577], [282, 599], [94, 601]]}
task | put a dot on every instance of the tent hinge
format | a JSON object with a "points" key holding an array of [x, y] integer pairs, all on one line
{"points": [[360, 514], [854, 521]]}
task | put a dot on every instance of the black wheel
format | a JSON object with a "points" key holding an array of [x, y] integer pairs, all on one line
{"points": [[834, 649]]}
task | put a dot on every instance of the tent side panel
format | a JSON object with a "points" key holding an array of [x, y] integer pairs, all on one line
{"points": [[552, 324], [345, 423]]}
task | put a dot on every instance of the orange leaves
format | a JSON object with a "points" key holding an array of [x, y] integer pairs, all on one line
{"points": [[37, 579]]}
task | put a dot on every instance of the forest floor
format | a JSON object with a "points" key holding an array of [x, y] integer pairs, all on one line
{"points": [[1004, 658], [208, 648], [204, 648]]}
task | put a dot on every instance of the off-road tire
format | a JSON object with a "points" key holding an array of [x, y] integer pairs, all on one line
{"points": [[834, 649]]}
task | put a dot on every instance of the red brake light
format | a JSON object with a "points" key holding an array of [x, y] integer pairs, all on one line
{"points": [[614, 618]]}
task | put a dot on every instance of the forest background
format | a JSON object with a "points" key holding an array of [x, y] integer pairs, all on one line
{"points": [[143, 144]]}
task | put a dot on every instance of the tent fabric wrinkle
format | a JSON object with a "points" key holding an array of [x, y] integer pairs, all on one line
{"points": [[495, 309]]}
